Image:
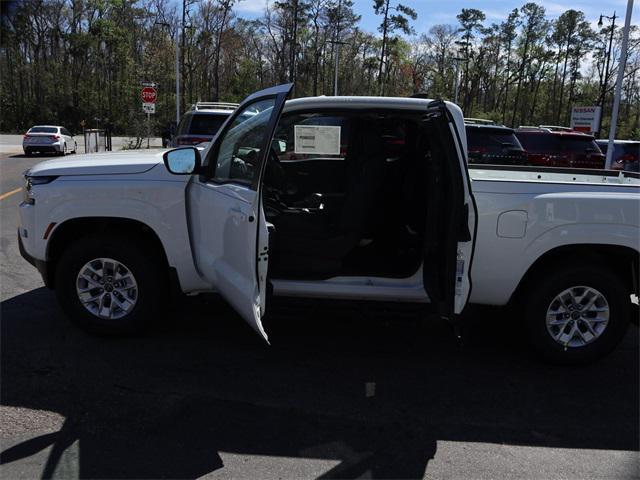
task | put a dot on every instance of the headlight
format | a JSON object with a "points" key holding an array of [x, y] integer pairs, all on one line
{"points": [[29, 182]]}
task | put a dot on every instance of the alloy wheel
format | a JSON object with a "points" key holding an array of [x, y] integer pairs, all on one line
{"points": [[107, 288], [577, 316]]}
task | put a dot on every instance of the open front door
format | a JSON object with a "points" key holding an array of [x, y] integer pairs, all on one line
{"points": [[451, 211], [228, 230]]}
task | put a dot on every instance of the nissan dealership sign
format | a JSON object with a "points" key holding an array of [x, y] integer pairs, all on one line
{"points": [[585, 119]]}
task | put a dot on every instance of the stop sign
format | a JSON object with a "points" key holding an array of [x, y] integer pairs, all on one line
{"points": [[149, 95]]}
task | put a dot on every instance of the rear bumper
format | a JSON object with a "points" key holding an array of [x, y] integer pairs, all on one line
{"points": [[55, 148]]}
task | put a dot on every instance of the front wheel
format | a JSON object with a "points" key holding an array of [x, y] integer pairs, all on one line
{"points": [[576, 314], [110, 286]]}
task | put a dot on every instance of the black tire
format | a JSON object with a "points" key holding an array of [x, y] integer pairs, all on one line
{"points": [[27, 153], [145, 264], [542, 291], [63, 152]]}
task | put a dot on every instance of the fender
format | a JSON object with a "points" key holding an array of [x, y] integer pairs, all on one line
{"points": [[505, 280], [159, 205]]}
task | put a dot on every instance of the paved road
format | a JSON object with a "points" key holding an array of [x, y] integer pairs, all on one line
{"points": [[339, 394]]}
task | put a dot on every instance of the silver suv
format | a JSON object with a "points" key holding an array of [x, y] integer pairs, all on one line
{"points": [[202, 122]]}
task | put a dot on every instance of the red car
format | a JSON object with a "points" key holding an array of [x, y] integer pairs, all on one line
{"points": [[549, 148]]}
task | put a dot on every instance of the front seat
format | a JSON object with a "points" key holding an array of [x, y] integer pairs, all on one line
{"points": [[313, 246]]}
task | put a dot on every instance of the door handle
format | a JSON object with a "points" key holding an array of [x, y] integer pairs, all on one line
{"points": [[241, 214]]}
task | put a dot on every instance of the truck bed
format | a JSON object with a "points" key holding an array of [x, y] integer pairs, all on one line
{"points": [[500, 173]]}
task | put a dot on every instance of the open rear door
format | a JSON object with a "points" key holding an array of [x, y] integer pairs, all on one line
{"points": [[451, 211], [228, 229]]}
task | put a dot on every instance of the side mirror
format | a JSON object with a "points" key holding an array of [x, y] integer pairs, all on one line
{"points": [[182, 161], [279, 145]]}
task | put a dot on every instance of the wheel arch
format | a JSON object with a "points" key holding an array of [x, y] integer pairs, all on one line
{"points": [[623, 261], [73, 229]]}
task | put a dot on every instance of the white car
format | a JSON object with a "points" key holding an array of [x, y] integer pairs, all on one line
{"points": [[362, 199], [48, 139]]}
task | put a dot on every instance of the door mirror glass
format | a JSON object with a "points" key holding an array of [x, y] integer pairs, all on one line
{"points": [[182, 161]]}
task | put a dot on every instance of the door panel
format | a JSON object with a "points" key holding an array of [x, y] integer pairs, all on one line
{"points": [[229, 232], [451, 217], [316, 175]]}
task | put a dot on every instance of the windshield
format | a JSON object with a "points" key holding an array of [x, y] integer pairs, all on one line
{"points": [[491, 139], [206, 124], [579, 144], [43, 130], [537, 142]]}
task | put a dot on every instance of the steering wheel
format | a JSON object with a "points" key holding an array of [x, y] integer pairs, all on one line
{"points": [[274, 173]]}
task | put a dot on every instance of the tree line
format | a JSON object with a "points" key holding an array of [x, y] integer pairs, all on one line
{"points": [[81, 62]]}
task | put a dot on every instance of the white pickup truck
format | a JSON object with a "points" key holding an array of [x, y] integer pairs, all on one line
{"points": [[351, 198]]}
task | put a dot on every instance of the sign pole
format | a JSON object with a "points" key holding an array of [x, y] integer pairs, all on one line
{"points": [[149, 95], [616, 98]]}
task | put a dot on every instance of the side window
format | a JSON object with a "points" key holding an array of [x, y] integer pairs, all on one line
{"points": [[311, 136], [66, 132], [182, 126], [238, 158]]}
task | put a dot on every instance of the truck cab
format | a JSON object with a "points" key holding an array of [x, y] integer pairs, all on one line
{"points": [[332, 198]]}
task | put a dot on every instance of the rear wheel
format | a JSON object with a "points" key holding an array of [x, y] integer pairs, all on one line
{"points": [[576, 314], [110, 286]]}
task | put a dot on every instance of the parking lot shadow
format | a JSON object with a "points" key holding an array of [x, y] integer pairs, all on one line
{"points": [[373, 394]]}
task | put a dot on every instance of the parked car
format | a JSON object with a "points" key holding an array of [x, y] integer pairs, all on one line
{"points": [[558, 148], [626, 154], [493, 144], [202, 122], [48, 139], [345, 219]]}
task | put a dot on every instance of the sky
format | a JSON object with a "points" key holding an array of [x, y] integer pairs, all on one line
{"points": [[432, 12]]}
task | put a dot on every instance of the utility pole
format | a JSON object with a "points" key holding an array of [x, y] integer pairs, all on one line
{"points": [[457, 84], [181, 66], [337, 51], [177, 76], [618, 90], [605, 83], [165, 24]]}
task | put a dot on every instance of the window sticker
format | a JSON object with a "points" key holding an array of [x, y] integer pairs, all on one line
{"points": [[318, 139]]}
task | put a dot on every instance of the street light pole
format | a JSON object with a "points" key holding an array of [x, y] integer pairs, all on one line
{"points": [[336, 59], [603, 90], [618, 90], [337, 44], [335, 73]]}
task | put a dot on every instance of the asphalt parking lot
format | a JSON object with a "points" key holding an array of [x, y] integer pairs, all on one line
{"points": [[341, 393]]}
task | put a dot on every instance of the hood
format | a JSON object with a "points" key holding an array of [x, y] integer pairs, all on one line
{"points": [[109, 163]]}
